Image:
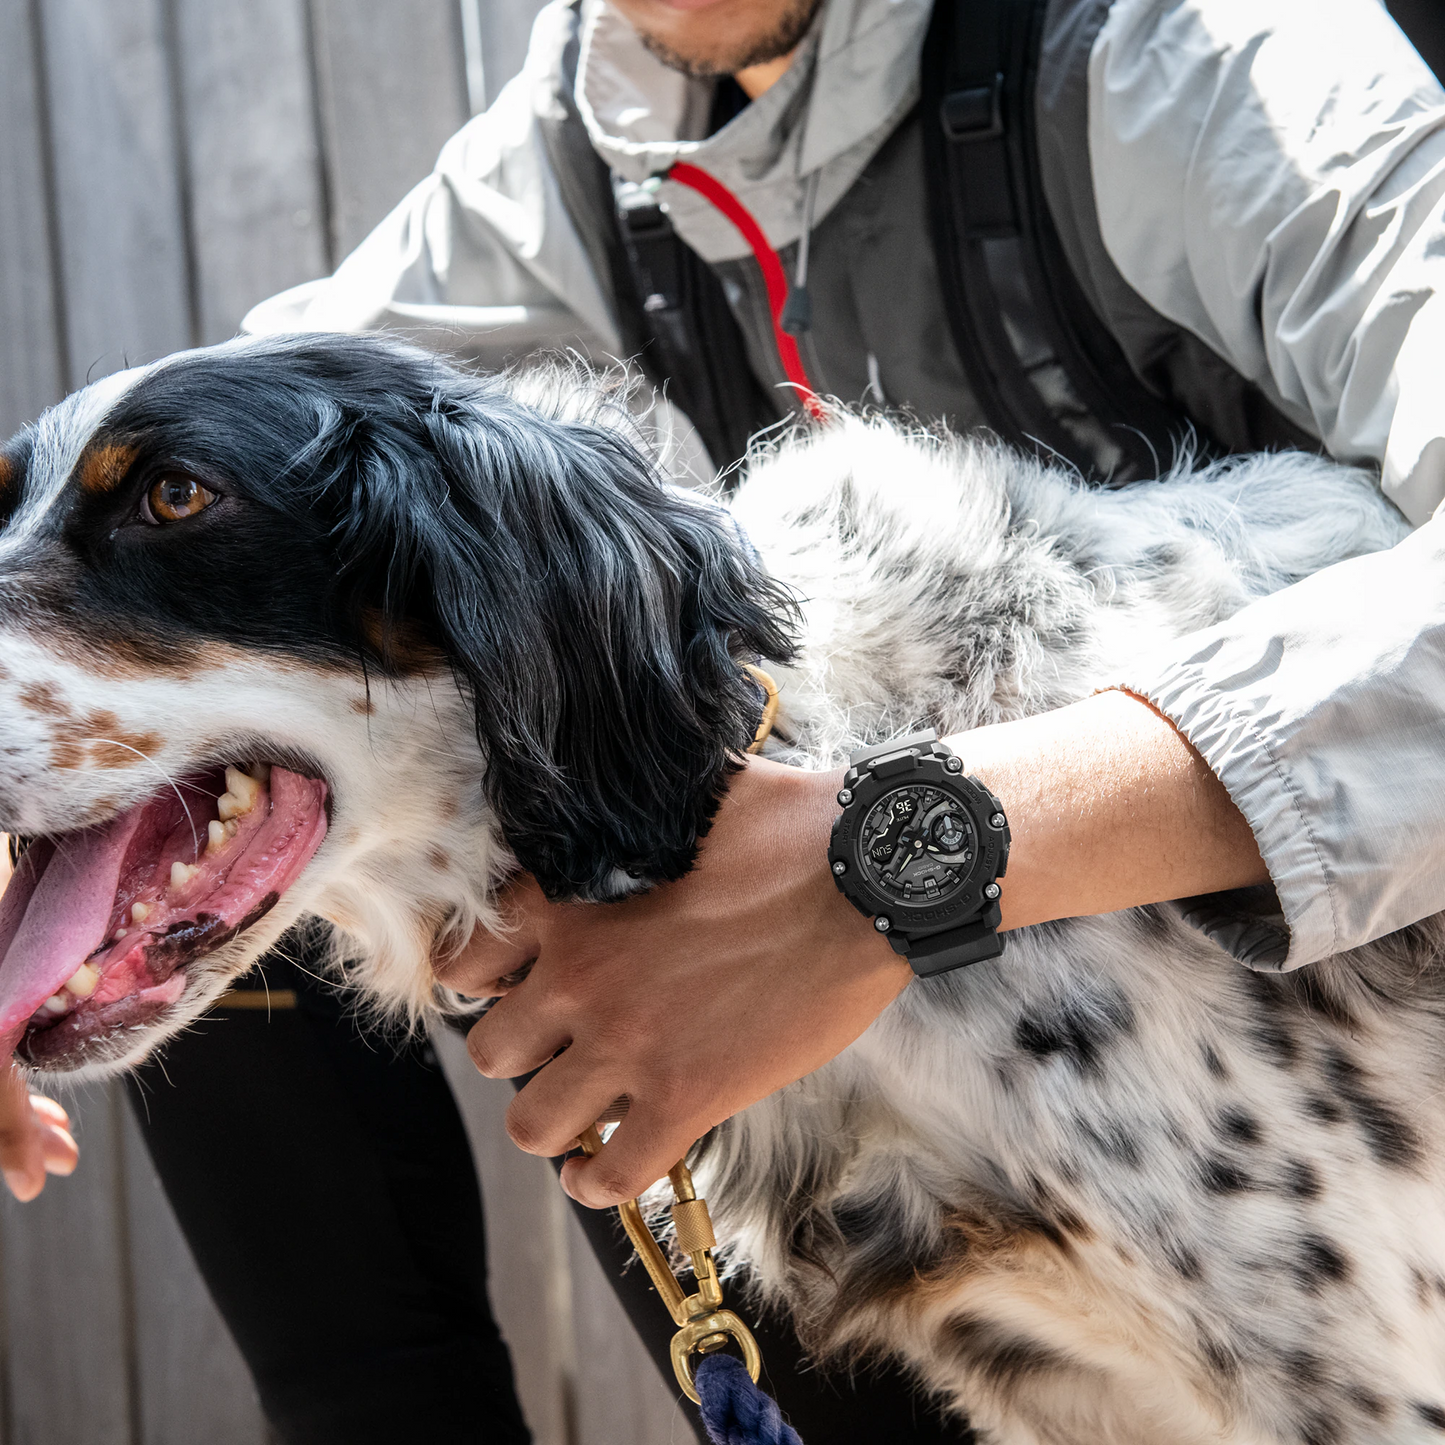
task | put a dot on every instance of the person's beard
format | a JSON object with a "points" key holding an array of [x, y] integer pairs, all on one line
{"points": [[790, 27]]}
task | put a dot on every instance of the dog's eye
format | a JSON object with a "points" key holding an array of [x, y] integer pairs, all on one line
{"points": [[174, 498]]}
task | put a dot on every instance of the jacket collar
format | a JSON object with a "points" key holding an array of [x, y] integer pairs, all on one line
{"points": [[854, 78]]}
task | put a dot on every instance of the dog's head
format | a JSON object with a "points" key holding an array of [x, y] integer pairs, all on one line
{"points": [[326, 626]]}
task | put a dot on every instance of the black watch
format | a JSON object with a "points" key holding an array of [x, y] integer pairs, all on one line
{"points": [[920, 848]]}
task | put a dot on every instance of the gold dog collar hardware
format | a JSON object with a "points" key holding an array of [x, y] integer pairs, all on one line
{"points": [[770, 707], [704, 1326]]}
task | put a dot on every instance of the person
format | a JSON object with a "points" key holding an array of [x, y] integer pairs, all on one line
{"points": [[1251, 204]]}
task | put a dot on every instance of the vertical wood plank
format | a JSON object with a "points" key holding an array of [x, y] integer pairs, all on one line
{"points": [[118, 194], [67, 1295], [253, 158], [31, 363], [530, 1284], [583, 1375], [392, 87], [191, 1382], [505, 30]]}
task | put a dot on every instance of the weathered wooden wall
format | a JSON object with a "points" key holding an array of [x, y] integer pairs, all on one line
{"points": [[165, 164]]}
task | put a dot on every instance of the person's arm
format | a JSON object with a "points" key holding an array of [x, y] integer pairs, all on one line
{"points": [[703, 996], [1319, 713]]}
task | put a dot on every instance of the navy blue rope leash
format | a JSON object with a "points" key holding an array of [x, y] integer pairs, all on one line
{"points": [[735, 1411]]}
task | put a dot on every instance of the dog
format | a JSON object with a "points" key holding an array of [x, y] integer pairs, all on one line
{"points": [[323, 626]]}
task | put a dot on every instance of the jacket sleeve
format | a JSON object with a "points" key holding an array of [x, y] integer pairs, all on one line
{"points": [[1322, 710], [481, 257], [1271, 176]]}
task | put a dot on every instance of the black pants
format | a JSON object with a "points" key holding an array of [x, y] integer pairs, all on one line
{"points": [[325, 1185]]}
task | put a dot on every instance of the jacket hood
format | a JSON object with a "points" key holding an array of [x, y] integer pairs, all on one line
{"points": [[854, 78]]}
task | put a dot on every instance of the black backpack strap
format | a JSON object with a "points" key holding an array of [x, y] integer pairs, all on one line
{"points": [[1045, 369], [696, 346], [1424, 22], [671, 313]]}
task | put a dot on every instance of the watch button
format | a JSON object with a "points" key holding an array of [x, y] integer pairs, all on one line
{"points": [[895, 763]]}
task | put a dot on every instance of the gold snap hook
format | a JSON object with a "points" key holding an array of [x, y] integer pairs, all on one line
{"points": [[704, 1326]]}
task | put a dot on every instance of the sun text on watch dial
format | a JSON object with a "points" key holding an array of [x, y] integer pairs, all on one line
{"points": [[917, 844]]}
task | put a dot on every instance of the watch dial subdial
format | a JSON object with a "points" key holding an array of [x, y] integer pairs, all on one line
{"points": [[918, 844]]}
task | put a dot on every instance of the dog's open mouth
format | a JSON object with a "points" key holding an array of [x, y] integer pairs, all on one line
{"points": [[97, 926]]}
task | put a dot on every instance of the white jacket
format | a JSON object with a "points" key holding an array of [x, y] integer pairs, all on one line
{"points": [[1267, 174]]}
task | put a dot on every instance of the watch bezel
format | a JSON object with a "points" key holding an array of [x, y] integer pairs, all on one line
{"points": [[930, 916]]}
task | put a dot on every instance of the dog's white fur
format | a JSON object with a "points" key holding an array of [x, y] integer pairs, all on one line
{"points": [[1148, 1219]]}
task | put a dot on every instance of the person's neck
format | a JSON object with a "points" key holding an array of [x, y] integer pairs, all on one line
{"points": [[758, 78]]}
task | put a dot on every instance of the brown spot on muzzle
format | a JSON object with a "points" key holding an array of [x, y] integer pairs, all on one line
{"points": [[103, 467], [125, 751], [42, 697], [111, 746]]}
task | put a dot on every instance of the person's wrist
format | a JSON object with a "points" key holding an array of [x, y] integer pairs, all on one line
{"points": [[1109, 807], [809, 801]]}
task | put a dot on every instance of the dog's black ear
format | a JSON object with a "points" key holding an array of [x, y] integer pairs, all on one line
{"points": [[596, 618]]}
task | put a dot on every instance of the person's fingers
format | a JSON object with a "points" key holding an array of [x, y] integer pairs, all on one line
{"points": [[643, 1147], [49, 1110], [57, 1144], [505, 1044], [58, 1150], [558, 1103], [487, 962], [22, 1159]]}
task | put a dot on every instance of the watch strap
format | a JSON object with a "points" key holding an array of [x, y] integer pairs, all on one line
{"points": [[956, 948]]}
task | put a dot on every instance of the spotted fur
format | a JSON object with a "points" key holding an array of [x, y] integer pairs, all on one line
{"points": [[1112, 1187]]}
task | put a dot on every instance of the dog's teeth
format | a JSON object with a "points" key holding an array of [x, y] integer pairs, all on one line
{"points": [[182, 873], [56, 1004], [240, 796], [231, 828], [216, 836], [83, 981], [118, 934], [139, 912], [261, 772]]}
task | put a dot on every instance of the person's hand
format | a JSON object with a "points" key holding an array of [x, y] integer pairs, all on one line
{"points": [[703, 996], [35, 1138], [693, 1000]]}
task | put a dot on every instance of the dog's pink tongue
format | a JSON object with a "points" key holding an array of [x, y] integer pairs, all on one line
{"points": [[54, 914]]}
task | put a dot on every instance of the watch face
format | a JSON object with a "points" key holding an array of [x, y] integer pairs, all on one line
{"points": [[917, 845]]}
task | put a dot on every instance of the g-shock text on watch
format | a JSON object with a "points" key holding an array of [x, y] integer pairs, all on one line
{"points": [[919, 848]]}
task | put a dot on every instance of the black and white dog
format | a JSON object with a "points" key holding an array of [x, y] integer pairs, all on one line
{"points": [[323, 626]]}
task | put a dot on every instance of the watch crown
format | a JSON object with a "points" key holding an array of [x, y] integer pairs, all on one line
{"points": [[882, 924], [990, 890], [954, 765], [997, 821], [845, 796], [840, 868]]}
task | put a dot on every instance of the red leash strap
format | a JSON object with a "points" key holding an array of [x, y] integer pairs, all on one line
{"points": [[716, 194]]}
